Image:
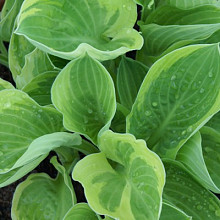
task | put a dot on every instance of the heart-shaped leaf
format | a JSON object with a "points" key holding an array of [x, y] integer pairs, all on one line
{"points": [[41, 197], [125, 181], [179, 94], [84, 93], [102, 28]]}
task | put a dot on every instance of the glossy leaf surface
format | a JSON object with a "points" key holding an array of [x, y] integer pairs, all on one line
{"points": [[128, 188], [101, 28], [84, 93], [179, 94]]}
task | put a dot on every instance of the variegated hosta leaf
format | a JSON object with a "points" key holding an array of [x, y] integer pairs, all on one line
{"points": [[84, 93], [39, 88], [184, 192], [191, 155], [129, 78], [211, 152], [80, 211], [179, 94], [8, 15], [5, 84], [159, 40], [36, 63], [169, 15], [170, 212], [41, 197], [188, 4], [102, 28], [19, 47], [124, 181]]}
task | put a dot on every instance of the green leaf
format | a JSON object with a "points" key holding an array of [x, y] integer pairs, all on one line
{"points": [[188, 4], [80, 211], [168, 15], [129, 78], [179, 94], [19, 47], [84, 93], [5, 84], [36, 63], [211, 152], [191, 156], [184, 192], [41, 197], [101, 28], [118, 123], [8, 15], [160, 40], [214, 122], [22, 121], [170, 212], [125, 181], [39, 88]]}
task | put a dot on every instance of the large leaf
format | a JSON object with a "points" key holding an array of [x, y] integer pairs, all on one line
{"points": [[80, 211], [129, 78], [128, 188], [8, 15], [170, 212], [84, 93], [41, 197], [191, 156], [19, 47], [160, 40], [102, 28], [5, 84], [36, 63], [179, 94], [22, 121], [184, 192], [39, 88], [214, 122]]}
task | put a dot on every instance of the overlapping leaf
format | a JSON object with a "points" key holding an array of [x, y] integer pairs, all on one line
{"points": [[41, 197], [84, 93], [184, 192], [5, 84], [101, 28], [179, 94], [131, 186]]}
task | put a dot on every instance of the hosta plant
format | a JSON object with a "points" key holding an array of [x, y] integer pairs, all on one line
{"points": [[140, 131]]}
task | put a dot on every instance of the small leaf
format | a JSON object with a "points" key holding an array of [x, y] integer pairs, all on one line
{"points": [[5, 84], [84, 93], [103, 29], [184, 192], [180, 93], [170, 212], [41, 197], [125, 181], [191, 156], [129, 78], [80, 211]]}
